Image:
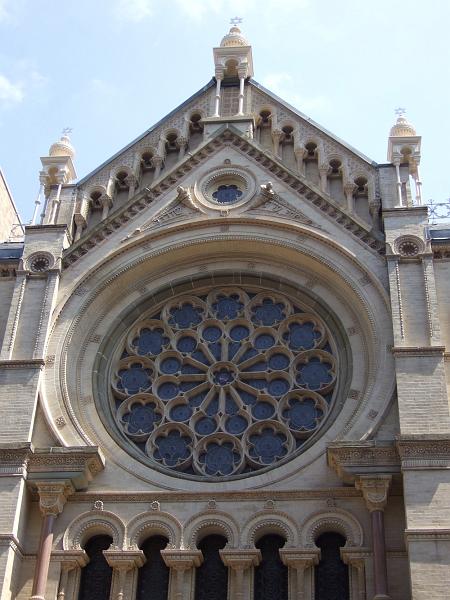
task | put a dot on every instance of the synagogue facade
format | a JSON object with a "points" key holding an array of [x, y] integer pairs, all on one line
{"points": [[225, 365]]}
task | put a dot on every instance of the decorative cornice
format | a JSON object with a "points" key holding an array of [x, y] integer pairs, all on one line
{"points": [[418, 350], [224, 136], [426, 535], [14, 459], [424, 451], [79, 463], [350, 459], [32, 363]]}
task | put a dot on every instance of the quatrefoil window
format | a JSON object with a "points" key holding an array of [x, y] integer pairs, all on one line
{"points": [[223, 383]]}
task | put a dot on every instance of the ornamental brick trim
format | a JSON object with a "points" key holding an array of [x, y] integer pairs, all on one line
{"points": [[336, 520]]}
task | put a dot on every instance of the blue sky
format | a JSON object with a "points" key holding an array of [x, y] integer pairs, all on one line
{"points": [[111, 68]]}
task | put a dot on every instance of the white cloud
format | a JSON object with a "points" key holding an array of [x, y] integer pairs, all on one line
{"points": [[133, 10], [4, 12], [283, 85], [198, 9], [10, 93]]}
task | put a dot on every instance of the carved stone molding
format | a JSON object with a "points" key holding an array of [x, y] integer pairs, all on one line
{"points": [[53, 495], [14, 459], [70, 559], [180, 560], [124, 560], [374, 490], [350, 459], [300, 558], [424, 451], [427, 535], [240, 559]]}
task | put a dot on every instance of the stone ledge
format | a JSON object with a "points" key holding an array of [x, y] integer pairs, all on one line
{"points": [[33, 363], [353, 459], [430, 451], [418, 350], [427, 535]]}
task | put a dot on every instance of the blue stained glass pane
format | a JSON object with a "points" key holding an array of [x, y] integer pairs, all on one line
{"points": [[239, 332], [259, 384], [198, 355], [227, 194], [268, 446], [186, 316], [205, 426], [219, 460], [236, 424], [278, 387], [314, 374], [198, 398], [269, 312], [170, 365], [303, 414], [211, 333], [135, 379], [188, 369], [213, 407], [259, 366], [264, 341], [278, 362], [141, 418], [301, 336], [181, 412], [150, 341], [172, 449], [186, 344], [216, 350], [230, 406], [246, 397], [228, 307], [185, 386], [223, 377], [263, 410], [168, 390], [250, 353], [233, 348]]}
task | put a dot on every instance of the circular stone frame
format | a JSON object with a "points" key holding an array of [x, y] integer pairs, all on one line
{"points": [[229, 175]]}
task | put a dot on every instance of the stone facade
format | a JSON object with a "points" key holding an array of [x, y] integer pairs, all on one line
{"points": [[233, 195]]}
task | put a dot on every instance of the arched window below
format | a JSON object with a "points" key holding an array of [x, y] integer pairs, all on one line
{"points": [[271, 575], [211, 582], [331, 574], [153, 576], [96, 576]]}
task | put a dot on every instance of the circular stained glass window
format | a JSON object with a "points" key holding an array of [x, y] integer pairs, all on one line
{"points": [[223, 383]]}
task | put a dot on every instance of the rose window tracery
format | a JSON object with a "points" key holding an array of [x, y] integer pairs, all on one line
{"points": [[225, 382]]}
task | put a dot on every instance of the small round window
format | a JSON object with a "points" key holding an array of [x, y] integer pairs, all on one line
{"points": [[227, 194]]}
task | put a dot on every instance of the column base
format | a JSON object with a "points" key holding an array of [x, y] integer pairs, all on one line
{"points": [[37, 598], [381, 597]]}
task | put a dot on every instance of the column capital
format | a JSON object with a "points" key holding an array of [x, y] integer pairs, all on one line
{"points": [[374, 489], [240, 559], [355, 556], [71, 559], [299, 558], [124, 560], [181, 560], [53, 495]]}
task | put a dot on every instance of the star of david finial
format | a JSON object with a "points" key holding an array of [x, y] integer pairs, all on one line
{"points": [[67, 130], [400, 112], [235, 21]]}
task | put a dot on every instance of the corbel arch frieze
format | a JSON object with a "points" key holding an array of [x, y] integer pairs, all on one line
{"points": [[211, 522], [335, 268], [150, 523], [268, 522], [338, 521], [94, 522]]}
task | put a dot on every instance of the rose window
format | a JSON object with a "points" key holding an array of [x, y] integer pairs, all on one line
{"points": [[224, 383]]}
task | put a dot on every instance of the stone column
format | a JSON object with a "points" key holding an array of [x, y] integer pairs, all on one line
{"points": [[106, 202], [181, 145], [157, 163], [356, 560], [323, 171], [300, 154], [56, 201], [182, 564], [298, 561], [52, 497], [349, 190], [398, 182], [277, 135], [375, 492], [122, 561], [71, 560], [219, 77], [242, 75], [240, 561]]}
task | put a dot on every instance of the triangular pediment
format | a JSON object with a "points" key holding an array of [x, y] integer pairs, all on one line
{"points": [[178, 208]]}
